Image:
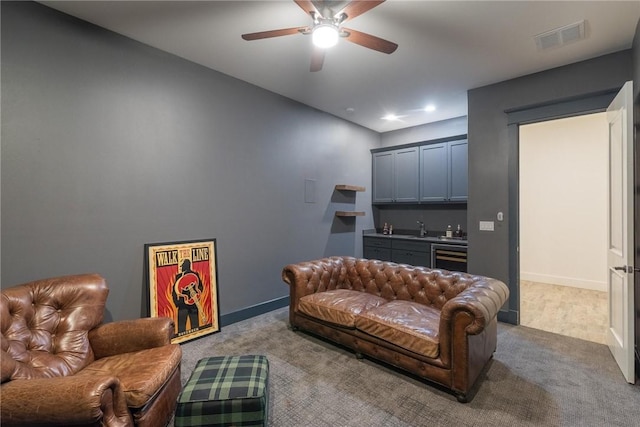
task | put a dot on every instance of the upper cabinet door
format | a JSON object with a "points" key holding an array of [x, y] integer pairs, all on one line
{"points": [[458, 170], [429, 173], [406, 175], [434, 167], [382, 182], [395, 176]]}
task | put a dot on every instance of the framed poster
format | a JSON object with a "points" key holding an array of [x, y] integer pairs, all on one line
{"points": [[182, 283]]}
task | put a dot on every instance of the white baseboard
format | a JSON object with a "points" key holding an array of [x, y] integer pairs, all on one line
{"points": [[593, 285]]}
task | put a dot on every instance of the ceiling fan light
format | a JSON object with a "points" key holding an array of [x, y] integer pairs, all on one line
{"points": [[325, 35]]}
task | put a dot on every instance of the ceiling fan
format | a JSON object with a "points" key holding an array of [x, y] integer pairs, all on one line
{"points": [[327, 28]]}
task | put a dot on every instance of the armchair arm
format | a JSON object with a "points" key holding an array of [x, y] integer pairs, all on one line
{"points": [[73, 400], [481, 301], [131, 335]]}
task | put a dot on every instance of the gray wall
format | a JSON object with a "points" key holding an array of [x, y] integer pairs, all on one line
{"points": [[426, 132], [490, 150], [108, 144], [435, 216]]}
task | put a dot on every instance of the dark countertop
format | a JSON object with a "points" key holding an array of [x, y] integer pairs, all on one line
{"points": [[430, 239]]}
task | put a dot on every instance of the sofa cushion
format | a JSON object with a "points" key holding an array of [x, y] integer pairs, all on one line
{"points": [[141, 373], [339, 306], [407, 324]]}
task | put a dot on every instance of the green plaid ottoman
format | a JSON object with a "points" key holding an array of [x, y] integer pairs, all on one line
{"points": [[225, 391]]}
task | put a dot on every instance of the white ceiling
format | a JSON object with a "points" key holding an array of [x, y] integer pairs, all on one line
{"points": [[445, 48]]}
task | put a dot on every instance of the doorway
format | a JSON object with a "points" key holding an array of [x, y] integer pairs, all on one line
{"points": [[563, 226]]}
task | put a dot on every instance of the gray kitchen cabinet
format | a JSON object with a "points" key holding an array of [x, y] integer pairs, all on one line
{"points": [[411, 252], [382, 182], [377, 248], [434, 170], [444, 172], [402, 251], [395, 176], [458, 170]]}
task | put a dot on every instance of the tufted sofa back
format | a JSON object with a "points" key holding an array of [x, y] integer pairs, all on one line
{"points": [[391, 281], [44, 326]]}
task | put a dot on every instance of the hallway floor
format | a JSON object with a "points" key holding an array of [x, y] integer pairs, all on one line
{"points": [[575, 312]]}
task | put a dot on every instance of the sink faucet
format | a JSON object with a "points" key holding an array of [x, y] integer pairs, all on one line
{"points": [[423, 231]]}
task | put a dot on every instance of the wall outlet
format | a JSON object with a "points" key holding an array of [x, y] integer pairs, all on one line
{"points": [[486, 226]]}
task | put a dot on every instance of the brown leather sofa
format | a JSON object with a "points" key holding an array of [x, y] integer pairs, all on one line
{"points": [[62, 366], [436, 324]]}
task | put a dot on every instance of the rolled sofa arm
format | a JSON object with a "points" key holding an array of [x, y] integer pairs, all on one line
{"points": [[126, 336], [73, 400], [481, 301]]}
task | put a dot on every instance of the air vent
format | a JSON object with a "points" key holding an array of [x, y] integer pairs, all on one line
{"points": [[561, 36]]}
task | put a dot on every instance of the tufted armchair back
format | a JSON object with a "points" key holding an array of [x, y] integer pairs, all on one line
{"points": [[45, 325]]}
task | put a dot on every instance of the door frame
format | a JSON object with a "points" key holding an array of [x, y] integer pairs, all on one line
{"points": [[561, 108]]}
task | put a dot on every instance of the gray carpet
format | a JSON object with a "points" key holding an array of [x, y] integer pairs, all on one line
{"points": [[536, 378]]}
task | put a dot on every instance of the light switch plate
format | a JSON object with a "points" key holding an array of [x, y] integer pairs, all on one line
{"points": [[486, 226]]}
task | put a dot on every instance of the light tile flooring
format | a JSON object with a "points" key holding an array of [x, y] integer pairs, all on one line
{"points": [[565, 310]]}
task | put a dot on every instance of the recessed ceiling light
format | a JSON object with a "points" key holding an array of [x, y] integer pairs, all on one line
{"points": [[430, 108]]}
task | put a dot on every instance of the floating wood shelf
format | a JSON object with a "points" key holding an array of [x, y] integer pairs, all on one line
{"points": [[345, 187], [349, 213]]}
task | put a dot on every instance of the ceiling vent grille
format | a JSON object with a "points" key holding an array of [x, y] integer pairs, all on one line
{"points": [[561, 36]]}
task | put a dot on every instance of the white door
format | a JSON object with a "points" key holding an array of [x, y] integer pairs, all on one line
{"points": [[620, 247]]}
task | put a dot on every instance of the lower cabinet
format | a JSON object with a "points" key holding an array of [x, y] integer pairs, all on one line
{"points": [[377, 248], [397, 250], [412, 253]]}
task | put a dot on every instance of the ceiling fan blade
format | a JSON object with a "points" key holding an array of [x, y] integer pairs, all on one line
{"points": [[367, 40], [357, 8], [274, 33], [317, 59], [308, 7]]}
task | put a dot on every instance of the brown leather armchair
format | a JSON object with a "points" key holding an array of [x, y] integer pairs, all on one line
{"points": [[62, 366]]}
